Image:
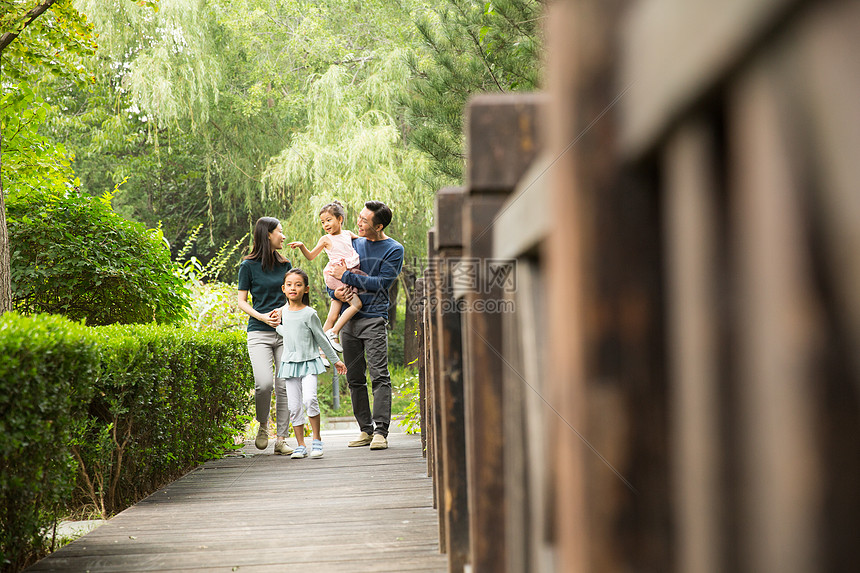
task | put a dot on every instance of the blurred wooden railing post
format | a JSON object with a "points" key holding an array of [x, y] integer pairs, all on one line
{"points": [[502, 141], [453, 510]]}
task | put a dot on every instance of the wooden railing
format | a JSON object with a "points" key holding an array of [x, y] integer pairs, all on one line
{"points": [[641, 322]]}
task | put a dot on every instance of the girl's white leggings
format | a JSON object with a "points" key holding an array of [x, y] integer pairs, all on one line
{"points": [[302, 395]]}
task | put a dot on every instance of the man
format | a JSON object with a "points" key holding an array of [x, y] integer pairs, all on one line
{"points": [[365, 337]]}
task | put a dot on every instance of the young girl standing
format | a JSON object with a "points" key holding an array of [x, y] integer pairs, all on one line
{"points": [[300, 362], [337, 243]]}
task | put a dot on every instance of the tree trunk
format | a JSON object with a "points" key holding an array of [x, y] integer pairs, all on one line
{"points": [[5, 255]]}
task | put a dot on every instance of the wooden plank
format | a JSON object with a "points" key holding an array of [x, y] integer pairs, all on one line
{"points": [[513, 238], [831, 85], [692, 221], [563, 252], [436, 409], [827, 81], [352, 510], [448, 216], [430, 288], [607, 339], [676, 51], [778, 330], [530, 312]]}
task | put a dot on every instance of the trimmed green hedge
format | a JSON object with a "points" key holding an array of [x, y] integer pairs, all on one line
{"points": [[43, 361], [126, 409]]}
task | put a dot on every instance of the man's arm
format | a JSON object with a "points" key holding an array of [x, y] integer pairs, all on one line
{"points": [[390, 268]]}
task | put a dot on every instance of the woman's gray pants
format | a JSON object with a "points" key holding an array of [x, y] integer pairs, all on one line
{"points": [[264, 349]]}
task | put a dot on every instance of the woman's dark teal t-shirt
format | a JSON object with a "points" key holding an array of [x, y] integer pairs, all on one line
{"points": [[265, 289]]}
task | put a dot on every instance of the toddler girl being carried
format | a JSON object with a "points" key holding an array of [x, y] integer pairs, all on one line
{"points": [[337, 243]]}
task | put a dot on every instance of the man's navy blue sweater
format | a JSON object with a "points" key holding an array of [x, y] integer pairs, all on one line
{"points": [[382, 261]]}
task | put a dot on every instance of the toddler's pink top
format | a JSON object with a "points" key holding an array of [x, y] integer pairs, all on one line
{"points": [[341, 248]]}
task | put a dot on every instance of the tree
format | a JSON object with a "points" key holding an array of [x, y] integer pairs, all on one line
{"points": [[28, 45], [473, 47], [74, 256], [352, 149]]}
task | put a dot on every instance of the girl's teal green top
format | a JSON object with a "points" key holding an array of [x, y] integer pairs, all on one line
{"points": [[303, 337]]}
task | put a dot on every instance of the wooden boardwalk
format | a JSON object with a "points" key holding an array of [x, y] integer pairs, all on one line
{"points": [[353, 510]]}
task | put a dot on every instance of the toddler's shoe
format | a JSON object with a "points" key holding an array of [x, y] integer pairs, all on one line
{"points": [[299, 453], [326, 363], [332, 337], [317, 449]]}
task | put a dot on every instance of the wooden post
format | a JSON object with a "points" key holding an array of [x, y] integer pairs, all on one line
{"points": [[418, 301], [430, 360], [435, 414], [502, 141], [410, 321], [605, 324], [454, 511]]}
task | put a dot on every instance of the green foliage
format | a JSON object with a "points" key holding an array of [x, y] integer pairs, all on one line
{"points": [[214, 308], [100, 417], [30, 160], [405, 402], [352, 150], [472, 47], [46, 363], [57, 42], [166, 399], [72, 255]]}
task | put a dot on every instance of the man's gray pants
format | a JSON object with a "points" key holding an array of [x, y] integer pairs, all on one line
{"points": [[365, 347]]}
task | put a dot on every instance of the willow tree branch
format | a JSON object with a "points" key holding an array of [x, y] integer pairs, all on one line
{"points": [[8, 37]]}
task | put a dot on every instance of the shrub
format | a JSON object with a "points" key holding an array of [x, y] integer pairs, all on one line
{"points": [[46, 363], [72, 255], [167, 398], [124, 409]]}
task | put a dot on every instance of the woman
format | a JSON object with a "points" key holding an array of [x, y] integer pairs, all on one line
{"points": [[262, 274]]}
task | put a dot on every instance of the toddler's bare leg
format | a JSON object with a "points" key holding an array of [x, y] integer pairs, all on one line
{"points": [[333, 311], [354, 307]]}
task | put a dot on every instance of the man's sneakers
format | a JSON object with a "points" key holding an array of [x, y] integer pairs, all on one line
{"points": [[262, 441], [316, 449], [363, 440], [379, 442], [332, 337], [376, 441], [282, 449]]}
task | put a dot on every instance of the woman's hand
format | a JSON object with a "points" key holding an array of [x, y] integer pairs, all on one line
{"points": [[340, 367], [273, 319]]}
